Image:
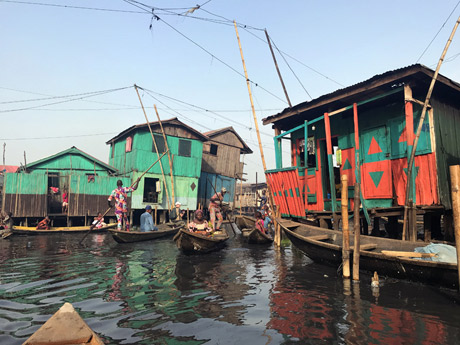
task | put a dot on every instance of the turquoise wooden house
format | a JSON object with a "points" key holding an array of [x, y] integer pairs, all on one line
{"points": [[221, 165], [366, 131], [133, 151], [36, 190]]}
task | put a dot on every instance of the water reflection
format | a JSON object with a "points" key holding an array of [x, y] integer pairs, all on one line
{"points": [[149, 293]]}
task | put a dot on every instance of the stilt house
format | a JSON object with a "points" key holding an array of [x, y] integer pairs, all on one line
{"points": [[221, 165], [366, 131], [133, 151], [36, 190]]}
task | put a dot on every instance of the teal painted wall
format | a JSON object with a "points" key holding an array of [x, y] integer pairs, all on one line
{"points": [[142, 156], [185, 191], [71, 162]]}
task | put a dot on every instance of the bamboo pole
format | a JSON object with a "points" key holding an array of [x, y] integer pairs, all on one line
{"points": [[156, 148], [356, 228], [345, 229], [169, 154], [254, 114], [420, 123], [277, 69], [455, 190]]}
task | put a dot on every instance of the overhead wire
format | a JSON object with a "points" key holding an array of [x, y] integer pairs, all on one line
{"points": [[442, 26]]}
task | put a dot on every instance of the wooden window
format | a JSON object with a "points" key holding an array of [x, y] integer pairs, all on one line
{"points": [[112, 146], [185, 148], [151, 190], [159, 140], [213, 149], [129, 144]]}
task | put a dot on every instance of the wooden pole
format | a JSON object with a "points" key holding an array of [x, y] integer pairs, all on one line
{"points": [[345, 229], [254, 113], [455, 190], [156, 148], [188, 215], [356, 228], [169, 154], [420, 123], [277, 69], [156, 214], [241, 197]]}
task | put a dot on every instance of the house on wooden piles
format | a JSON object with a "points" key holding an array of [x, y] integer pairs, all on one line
{"points": [[366, 131], [221, 166], [247, 196], [133, 151], [36, 190]]}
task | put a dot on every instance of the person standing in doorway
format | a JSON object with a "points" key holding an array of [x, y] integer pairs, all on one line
{"points": [[65, 201], [120, 194], [215, 205], [147, 220]]}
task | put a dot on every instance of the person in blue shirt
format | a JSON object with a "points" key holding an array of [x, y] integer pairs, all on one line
{"points": [[147, 220]]}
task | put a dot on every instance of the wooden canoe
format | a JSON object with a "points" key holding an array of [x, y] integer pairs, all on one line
{"points": [[246, 224], [164, 230], [325, 246], [64, 327], [257, 237], [28, 230], [189, 242]]}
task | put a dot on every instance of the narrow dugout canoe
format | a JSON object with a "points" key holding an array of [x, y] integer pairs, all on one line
{"points": [[164, 230], [64, 327], [246, 224], [189, 242], [28, 230], [325, 246]]}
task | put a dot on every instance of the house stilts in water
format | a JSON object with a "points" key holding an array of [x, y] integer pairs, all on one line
{"points": [[221, 165], [36, 190], [382, 113], [133, 151]]}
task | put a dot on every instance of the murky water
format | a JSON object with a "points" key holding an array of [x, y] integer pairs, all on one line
{"points": [[149, 293]]}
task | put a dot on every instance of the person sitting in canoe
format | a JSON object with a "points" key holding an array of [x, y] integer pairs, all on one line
{"points": [[99, 221], [260, 222], [267, 216], [147, 220], [44, 224], [176, 215], [199, 225]]}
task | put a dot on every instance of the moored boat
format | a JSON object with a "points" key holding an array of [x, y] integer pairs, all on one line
{"points": [[325, 246], [64, 327], [164, 230], [28, 230], [191, 242], [246, 224], [257, 237]]}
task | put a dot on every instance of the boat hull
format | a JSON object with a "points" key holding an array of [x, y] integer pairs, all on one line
{"points": [[257, 237], [64, 327], [246, 224], [24, 230], [189, 242], [122, 236], [330, 252]]}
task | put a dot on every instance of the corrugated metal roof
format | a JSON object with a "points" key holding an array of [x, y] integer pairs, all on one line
{"points": [[367, 86]]}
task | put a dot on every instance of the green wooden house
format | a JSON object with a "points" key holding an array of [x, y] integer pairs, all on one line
{"points": [[36, 190], [133, 151], [366, 131]]}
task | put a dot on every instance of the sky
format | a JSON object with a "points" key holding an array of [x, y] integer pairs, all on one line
{"points": [[69, 66]]}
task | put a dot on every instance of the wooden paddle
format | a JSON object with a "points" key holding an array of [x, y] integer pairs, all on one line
{"points": [[135, 182]]}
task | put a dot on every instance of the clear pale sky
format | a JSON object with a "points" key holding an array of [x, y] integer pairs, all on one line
{"points": [[48, 52]]}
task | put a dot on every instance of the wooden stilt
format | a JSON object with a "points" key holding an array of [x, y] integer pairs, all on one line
{"points": [[455, 190], [156, 215], [357, 237], [345, 229], [188, 215]]}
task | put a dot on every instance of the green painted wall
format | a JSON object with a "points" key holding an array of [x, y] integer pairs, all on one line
{"points": [[76, 163], [447, 126], [142, 156], [102, 185], [185, 191], [25, 183]]}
